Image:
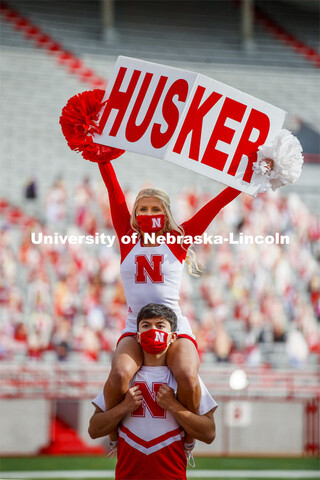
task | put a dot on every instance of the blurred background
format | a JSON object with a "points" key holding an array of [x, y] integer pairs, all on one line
{"points": [[255, 309]]}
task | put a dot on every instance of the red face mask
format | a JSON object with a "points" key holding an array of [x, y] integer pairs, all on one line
{"points": [[151, 223], [154, 341]]}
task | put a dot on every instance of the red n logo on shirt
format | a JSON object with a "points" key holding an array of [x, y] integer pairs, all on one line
{"points": [[149, 401], [153, 268]]}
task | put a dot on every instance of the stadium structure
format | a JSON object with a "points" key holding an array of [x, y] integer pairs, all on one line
{"points": [[255, 309]]}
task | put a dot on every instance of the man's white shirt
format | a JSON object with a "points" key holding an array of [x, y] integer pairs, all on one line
{"points": [[150, 428]]}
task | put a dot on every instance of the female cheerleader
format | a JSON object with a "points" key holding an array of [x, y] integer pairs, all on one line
{"points": [[151, 272]]}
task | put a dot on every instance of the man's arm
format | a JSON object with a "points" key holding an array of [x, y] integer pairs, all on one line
{"points": [[201, 427], [103, 423]]}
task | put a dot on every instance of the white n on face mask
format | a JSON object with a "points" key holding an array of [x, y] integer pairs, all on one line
{"points": [[153, 341], [151, 223]]}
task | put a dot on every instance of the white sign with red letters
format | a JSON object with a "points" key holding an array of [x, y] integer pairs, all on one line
{"points": [[187, 119]]}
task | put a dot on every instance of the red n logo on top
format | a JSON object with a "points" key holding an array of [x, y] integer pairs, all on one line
{"points": [[149, 401], [153, 268]]}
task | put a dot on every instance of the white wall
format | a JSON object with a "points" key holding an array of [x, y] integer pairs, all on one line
{"points": [[24, 425]]}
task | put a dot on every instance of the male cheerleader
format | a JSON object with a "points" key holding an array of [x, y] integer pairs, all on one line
{"points": [[151, 420]]}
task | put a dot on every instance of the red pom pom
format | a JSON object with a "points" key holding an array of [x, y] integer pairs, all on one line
{"points": [[78, 124]]}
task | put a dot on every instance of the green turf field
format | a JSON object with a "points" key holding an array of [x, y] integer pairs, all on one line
{"points": [[67, 467]]}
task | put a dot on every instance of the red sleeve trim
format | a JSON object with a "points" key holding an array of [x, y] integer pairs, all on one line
{"points": [[177, 249]]}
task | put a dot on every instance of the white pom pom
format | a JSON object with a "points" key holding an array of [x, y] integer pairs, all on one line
{"points": [[286, 152]]}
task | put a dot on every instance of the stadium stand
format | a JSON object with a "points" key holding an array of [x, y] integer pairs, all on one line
{"points": [[212, 30], [251, 305], [255, 305], [29, 73]]}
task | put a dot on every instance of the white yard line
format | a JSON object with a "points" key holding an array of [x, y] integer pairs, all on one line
{"points": [[82, 474], [278, 474]]}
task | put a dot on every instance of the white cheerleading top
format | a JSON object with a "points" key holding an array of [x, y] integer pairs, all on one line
{"points": [[150, 436], [153, 274]]}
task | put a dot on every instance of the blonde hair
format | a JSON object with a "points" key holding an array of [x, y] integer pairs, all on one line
{"points": [[170, 224]]}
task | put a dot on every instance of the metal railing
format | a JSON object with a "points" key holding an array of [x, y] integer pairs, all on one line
{"points": [[84, 381]]}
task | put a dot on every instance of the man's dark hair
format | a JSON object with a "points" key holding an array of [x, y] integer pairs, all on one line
{"points": [[155, 310]]}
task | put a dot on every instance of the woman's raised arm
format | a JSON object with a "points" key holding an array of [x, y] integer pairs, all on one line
{"points": [[198, 224], [119, 211]]}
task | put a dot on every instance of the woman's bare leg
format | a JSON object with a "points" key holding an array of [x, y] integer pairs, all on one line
{"points": [[183, 360], [126, 361]]}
